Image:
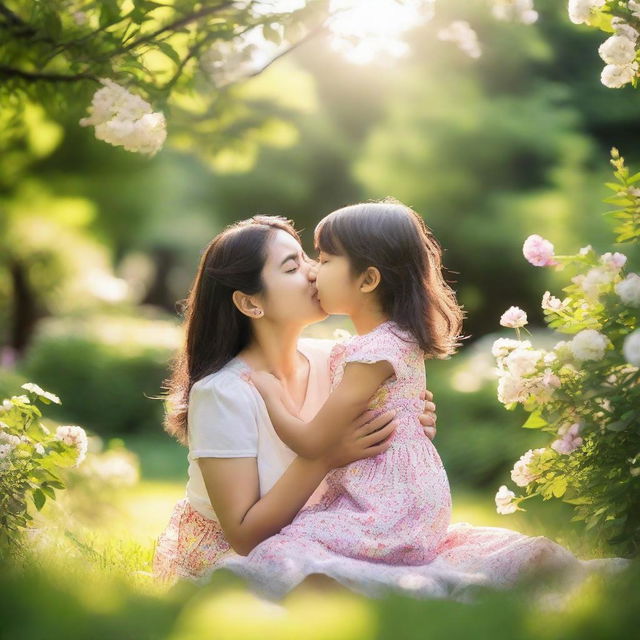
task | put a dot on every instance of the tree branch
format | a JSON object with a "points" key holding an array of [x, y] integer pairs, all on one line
{"points": [[182, 22], [35, 76]]}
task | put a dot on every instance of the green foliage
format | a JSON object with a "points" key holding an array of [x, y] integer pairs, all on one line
{"points": [[596, 391], [108, 368], [32, 462]]}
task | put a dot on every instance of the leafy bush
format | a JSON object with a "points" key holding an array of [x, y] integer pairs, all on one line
{"points": [[107, 368], [584, 392], [32, 460]]}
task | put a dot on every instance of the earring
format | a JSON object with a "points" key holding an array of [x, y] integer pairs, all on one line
{"points": [[257, 313]]}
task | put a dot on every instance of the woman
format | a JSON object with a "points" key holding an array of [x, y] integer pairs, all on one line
{"points": [[253, 294]]}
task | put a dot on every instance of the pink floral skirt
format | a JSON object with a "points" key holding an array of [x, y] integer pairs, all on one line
{"points": [[190, 546]]}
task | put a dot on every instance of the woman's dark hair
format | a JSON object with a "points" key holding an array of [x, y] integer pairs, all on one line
{"points": [[214, 329], [393, 238]]}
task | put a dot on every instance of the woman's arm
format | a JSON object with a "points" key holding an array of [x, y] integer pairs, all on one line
{"points": [[233, 484], [350, 398]]}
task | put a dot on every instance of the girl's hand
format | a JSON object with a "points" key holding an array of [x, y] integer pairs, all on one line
{"points": [[365, 437], [428, 418], [266, 383]]}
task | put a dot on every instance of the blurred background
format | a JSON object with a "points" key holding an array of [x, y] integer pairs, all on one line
{"points": [[98, 245]]}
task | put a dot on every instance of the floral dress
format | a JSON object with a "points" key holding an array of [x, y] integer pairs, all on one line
{"points": [[384, 522]]}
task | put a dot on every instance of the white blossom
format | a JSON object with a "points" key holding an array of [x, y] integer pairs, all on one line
{"points": [[512, 388], [503, 499], [569, 439], [522, 362], [621, 28], [631, 348], [515, 10], [543, 387], [629, 290], [124, 119], [503, 346], [521, 473], [551, 303], [9, 438], [580, 11], [589, 344], [634, 7], [616, 76], [614, 261], [461, 33], [74, 437], [618, 50], [34, 388], [594, 281], [513, 318]]}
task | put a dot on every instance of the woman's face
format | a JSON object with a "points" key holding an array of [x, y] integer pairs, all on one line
{"points": [[289, 276]]}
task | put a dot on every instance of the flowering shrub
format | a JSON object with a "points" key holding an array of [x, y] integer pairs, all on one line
{"points": [[31, 460], [621, 18], [585, 392]]}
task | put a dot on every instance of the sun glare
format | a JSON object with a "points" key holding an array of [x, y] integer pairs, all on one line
{"points": [[368, 30]]}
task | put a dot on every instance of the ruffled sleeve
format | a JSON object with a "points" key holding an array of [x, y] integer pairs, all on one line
{"points": [[376, 346]]}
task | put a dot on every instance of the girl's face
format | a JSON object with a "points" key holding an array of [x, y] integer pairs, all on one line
{"points": [[290, 294], [337, 287]]}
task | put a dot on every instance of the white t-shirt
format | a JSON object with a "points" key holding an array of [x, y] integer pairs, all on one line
{"points": [[228, 419]]}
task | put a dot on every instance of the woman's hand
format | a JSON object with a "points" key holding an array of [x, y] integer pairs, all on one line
{"points": [[366, 436], [428, 418]]}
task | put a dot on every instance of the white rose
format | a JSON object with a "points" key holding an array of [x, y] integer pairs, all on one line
{"points": [[512, 389], [551, 303], [504, 346], [580, 10], [616, 76], [589, 344], [629, 290], [513, 318], [623, 29], [521, 473], [74, 437], [522, 362], [631, 348], [594, 281], [618, 50], [503, 499]]}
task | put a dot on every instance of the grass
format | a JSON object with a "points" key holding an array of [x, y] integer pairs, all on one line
{"points": [[86, 575]]}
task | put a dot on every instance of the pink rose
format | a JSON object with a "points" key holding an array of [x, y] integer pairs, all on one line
{"points": [[538, 251]]}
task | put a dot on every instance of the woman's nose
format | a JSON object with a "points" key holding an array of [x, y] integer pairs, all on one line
{"points": [[312, 270]]}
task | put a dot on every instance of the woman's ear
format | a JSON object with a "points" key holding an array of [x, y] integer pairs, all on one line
{"points": [[246, 304], [370, 280]]}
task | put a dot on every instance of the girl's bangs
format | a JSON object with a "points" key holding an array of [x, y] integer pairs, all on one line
{"points": [[326, 240]]}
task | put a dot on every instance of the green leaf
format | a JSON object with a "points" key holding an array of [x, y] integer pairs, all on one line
{"points": [[271, 34], [39, 499], [534, 421], [559, 487], [169, 51]]}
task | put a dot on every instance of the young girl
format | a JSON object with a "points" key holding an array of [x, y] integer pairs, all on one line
{"points": [[384, 521]]}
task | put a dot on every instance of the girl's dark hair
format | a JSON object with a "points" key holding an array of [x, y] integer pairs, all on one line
{"points": [[214, 329], [393, 238]]}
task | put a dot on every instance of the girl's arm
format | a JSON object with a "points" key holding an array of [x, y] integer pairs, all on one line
{"points": [[350, 398], [233, 484]]}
